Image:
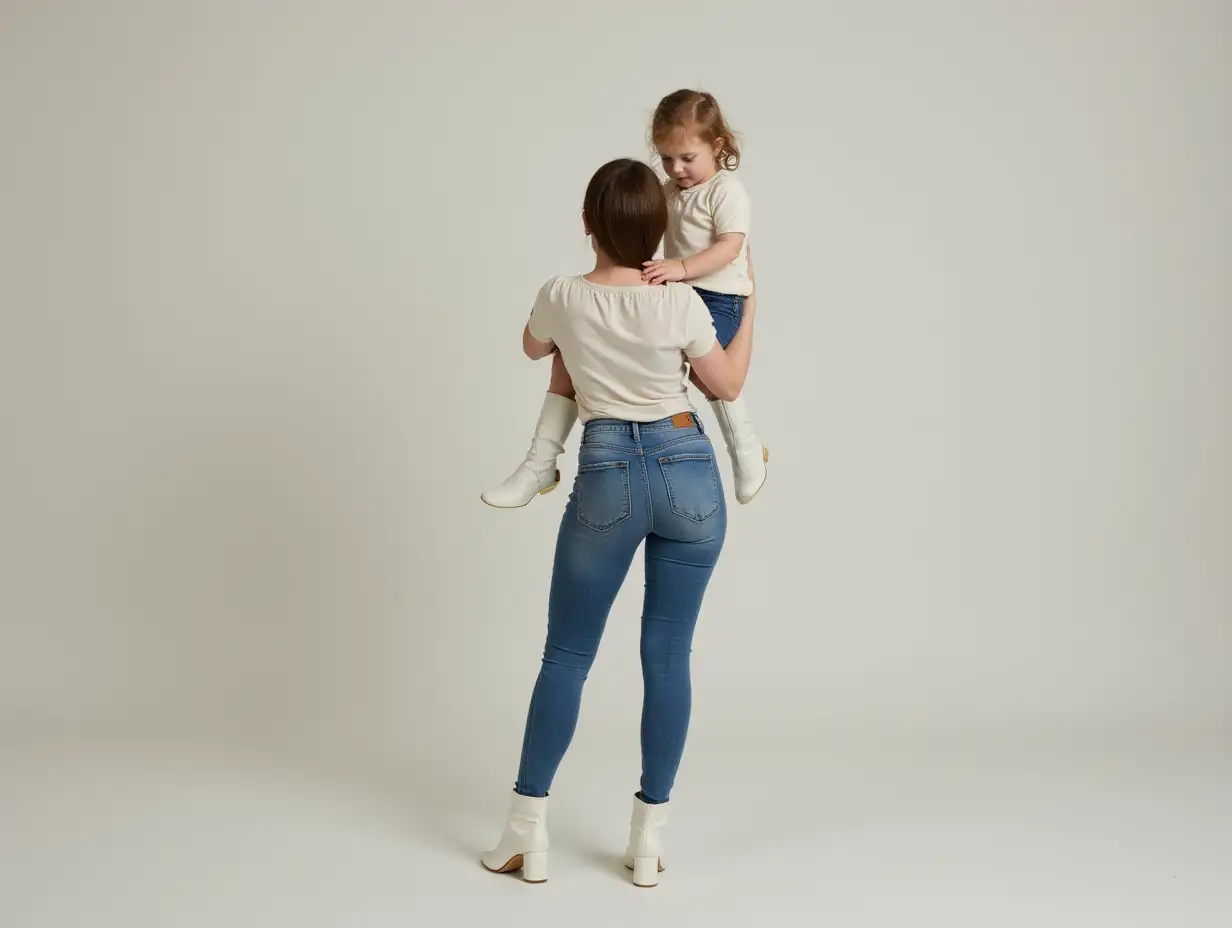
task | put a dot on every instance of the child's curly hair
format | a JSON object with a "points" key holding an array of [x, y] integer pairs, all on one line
{"points": [[697, 112]]}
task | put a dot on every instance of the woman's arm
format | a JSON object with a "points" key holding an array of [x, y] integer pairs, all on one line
{"points": [[724, 371], [723, 252], [534, 348]]}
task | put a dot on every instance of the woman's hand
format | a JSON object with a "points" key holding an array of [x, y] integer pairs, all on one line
{"points": [[661, 272]]}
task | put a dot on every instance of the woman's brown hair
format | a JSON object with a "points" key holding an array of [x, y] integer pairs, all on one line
{"points": [[696, 112], [626, 212]]}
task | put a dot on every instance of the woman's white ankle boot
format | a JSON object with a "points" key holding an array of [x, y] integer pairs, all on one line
{"points": [[645, 852], [524, 842]]}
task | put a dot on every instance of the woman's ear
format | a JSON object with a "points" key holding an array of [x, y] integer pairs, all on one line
{"points": [[585, 225]]}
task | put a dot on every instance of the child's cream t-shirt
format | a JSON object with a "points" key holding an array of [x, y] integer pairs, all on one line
{"points": [[698, 215], [624, 347]]}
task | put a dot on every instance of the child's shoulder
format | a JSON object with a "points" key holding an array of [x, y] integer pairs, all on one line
{"points": [[727, 182]]}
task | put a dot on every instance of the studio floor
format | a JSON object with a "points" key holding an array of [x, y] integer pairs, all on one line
{"points": [[153, 831]]}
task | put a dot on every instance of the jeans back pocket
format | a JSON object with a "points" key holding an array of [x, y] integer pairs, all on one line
{"points": [[603, 494], [692, 485]]}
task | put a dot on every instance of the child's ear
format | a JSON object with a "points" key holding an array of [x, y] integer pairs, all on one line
{"points": [[717, 147]]}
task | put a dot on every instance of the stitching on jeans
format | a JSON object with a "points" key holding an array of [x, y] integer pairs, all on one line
{"points": [[623, 467], [643, 426], [603, 446], [596, 446], [530, 732], [694, 436], [649, 495], [664, 466]]}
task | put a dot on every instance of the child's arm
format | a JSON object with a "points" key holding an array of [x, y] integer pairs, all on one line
{"points": [[723, 252]]}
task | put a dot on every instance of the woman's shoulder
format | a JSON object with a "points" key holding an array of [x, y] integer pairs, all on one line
{"points": [[559, 288], [679, 294], [575, 288]]}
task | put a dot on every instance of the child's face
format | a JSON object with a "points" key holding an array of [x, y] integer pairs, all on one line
{"points": [[688, 160]]}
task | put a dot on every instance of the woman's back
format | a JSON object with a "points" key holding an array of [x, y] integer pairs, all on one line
{"points": [[624, 346]]}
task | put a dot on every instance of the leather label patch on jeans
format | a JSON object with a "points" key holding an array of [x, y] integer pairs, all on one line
{"points": [[683, 420]]}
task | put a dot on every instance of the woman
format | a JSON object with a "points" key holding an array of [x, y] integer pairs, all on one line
{"points": [[646, 473]]}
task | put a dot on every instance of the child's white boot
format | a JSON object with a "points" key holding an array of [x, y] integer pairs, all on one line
{"points": [[537, 474], [748, 455]]}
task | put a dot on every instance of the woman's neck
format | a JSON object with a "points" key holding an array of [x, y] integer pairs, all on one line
{"points": [[611, 274]]}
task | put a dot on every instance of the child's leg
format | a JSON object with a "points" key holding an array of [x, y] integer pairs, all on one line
{"points": [[537, 474], [748, 455], [561, 383]]}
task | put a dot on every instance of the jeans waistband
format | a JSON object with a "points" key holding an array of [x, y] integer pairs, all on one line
{"points": [[682, 420]]}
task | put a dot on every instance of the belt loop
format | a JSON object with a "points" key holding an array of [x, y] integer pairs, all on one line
{"points": [[637, 434], [698, 419]]}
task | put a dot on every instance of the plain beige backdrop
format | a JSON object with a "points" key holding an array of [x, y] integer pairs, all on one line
{"points": [[264, 269]]}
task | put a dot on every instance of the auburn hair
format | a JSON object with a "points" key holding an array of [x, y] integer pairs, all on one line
{"points": [[698, 113]]}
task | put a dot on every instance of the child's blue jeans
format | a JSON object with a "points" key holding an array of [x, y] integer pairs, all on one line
{"points": [[726, 309]]}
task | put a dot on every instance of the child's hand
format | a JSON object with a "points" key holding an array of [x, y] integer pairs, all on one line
{"points": [[661, 272]]}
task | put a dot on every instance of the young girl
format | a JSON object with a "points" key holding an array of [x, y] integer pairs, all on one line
{"points": [[706, 245]]}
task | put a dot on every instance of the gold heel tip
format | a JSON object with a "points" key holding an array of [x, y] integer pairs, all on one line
{"points": [[552, 487]]}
